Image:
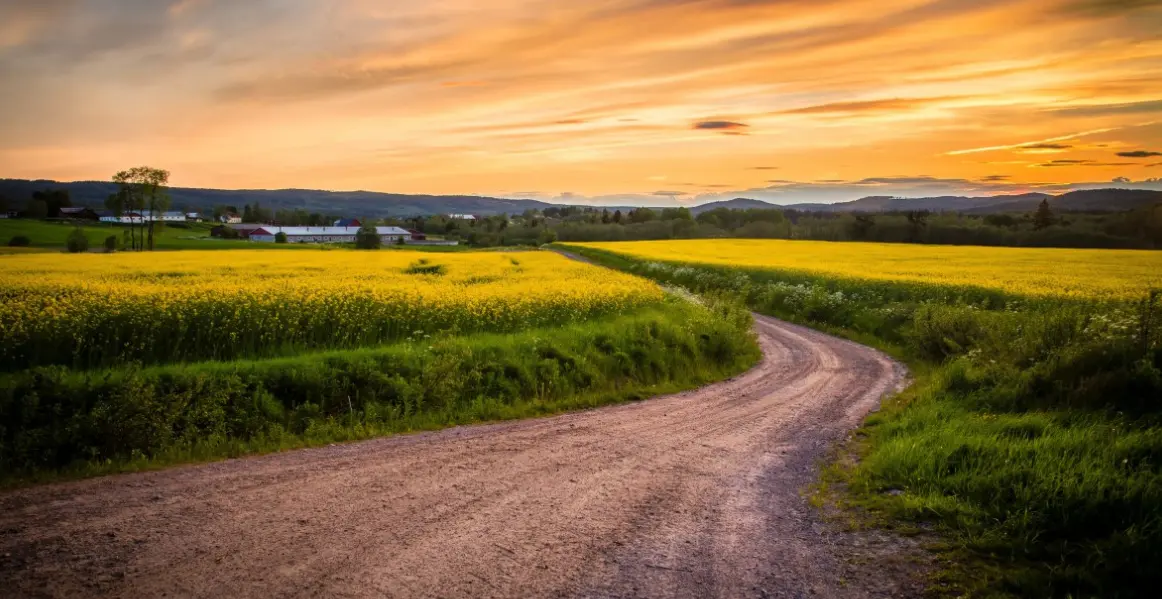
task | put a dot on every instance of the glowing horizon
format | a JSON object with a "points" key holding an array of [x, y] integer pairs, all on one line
{"points": [[661, 101]]}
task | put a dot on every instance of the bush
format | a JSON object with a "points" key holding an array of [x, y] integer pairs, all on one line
{"points": [[367, 238], [111, 243], [280, 237], [77, 242], [19, 241]]}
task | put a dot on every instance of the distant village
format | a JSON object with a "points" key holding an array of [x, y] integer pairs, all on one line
{"points": [[230, 225]]}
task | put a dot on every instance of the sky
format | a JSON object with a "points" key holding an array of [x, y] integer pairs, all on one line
{"points": [[656, 102]]}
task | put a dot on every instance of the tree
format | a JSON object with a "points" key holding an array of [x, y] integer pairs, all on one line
{"points": [[1043, 218], [145, 189], [280, 237], [367, 238], [642, 215], [36, 209], [77, 242], [547, 236], [54, 200], [862, 226], [111, 243], [917, 222], [605, 216], [617, 216]]}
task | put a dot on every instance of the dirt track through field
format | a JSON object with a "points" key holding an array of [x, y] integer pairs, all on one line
{"points": [[697, 494]]}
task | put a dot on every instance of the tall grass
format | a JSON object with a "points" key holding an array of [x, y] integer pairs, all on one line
{"points": [[1033, 442], [57, 421]]}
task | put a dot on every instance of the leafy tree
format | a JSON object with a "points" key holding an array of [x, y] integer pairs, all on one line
{"points": [[111, 243], [280, 237], [861, 228], [547, 236], [36, 209], [605, 216], [676, 214], [917, 222], [54, 200], [19, 241], [1043, 218], [642, 215], [367, 238], [144, 188], [77, 242]]}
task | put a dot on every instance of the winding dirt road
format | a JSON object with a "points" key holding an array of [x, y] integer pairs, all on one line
{"points": [[697, 494]]}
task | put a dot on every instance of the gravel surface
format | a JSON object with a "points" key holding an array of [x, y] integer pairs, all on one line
{"points": [[698, 494]]}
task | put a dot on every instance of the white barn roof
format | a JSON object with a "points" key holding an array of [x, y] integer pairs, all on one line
{"points": [[305, 231]]}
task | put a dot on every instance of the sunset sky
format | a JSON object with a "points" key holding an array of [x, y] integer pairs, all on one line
{"points": [[600, 101]]}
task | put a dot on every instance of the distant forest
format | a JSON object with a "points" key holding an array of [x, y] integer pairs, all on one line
{"points": [[1140, 228], [1107, 218]]}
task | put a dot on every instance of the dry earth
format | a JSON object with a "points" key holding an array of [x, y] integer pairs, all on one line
{"points": [[698, 494]]}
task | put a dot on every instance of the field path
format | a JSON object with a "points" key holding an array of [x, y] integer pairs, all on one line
{"points": [[697, 494]]}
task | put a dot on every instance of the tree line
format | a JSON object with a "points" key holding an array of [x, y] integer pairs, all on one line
{"points": [[1140, 228]]}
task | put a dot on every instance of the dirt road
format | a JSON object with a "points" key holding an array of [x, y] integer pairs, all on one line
{"points": [[691, 495]]}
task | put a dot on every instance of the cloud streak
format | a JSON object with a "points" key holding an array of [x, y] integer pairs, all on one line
{"points": [[476, 96]]}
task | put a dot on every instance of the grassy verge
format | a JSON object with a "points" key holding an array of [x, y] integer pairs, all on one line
{"points": [[56, 423], [1032, 439]]}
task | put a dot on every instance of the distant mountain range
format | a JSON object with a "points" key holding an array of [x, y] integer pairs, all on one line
{"points": [[1090, 200], [377, 205], [347, 203]]}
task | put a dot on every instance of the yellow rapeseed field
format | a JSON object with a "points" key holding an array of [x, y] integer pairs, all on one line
{"points": [[1043, 272], [93, 309]]}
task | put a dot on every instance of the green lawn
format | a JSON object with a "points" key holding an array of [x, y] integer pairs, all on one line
{"points": [[52, 234]]}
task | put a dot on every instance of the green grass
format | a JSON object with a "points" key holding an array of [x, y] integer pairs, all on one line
{"points": [[55, 422], [51, 235], [1031, 440]]}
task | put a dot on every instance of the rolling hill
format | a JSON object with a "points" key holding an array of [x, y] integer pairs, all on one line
{"points": [[377, 205]]}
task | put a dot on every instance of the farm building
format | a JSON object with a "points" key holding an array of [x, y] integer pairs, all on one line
{"points": [[348, 222], [462, 217], [230, 219], [79, 212], [125, 218], [149, 215], [325, 234], [244, 229]]}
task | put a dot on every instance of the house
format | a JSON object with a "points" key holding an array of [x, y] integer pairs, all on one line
{"points": [[416, 235], [126, 218], [79, 213], [325, 234], [461, 217], [194, 216], [348, 222], [230, 218]]}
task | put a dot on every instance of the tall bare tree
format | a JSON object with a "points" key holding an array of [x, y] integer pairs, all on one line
{"points": [[143, 189]]}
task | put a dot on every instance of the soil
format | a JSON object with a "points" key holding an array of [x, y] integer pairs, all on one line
{"points": [[698, 494]]}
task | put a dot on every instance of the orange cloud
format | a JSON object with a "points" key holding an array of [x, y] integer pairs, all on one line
{"points": [[472, 96]]}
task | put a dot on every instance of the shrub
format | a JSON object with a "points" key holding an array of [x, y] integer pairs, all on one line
{"points": [[280, 237], [77, 242], [111, 243], [19, 241], [367, 238]]}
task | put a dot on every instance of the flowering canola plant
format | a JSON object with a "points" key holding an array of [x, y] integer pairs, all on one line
{"points": [[1032, 272], [99, 309]]}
